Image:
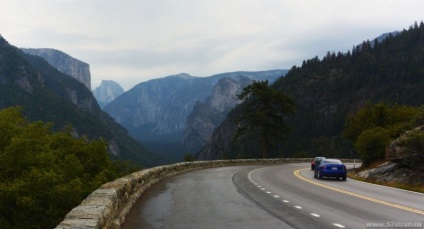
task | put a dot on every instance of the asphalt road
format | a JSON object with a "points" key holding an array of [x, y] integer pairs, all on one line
{"points": [[283, 196]]}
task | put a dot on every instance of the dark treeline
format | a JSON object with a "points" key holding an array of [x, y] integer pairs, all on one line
{"points": [[327, 90]]}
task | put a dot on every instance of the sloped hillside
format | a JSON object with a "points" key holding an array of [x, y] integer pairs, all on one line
{"points": [[49, 95], [326, 90]]}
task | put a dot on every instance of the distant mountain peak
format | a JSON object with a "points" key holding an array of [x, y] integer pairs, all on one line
{"points": [[107, 92], [182, 76], [378, 39]]}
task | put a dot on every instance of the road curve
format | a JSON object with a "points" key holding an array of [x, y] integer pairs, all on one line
{"points": [[283, 196]]}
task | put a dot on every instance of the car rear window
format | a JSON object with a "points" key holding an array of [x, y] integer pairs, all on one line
{"points": [[332, 162]]}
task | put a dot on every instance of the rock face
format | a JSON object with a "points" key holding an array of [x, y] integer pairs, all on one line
{"points": [[218, 142], [158, 107], [64, 63], [157, 110], [107, 92], [206, 116], [394, 172], [405, 161]]}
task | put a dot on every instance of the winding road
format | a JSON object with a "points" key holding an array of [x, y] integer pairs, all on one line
{"points": [[281, 196]]}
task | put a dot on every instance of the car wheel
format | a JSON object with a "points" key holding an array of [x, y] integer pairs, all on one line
{"points": [[344, 178]]}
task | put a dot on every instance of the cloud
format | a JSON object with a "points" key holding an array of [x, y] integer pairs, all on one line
{"points": [[131, 41]]}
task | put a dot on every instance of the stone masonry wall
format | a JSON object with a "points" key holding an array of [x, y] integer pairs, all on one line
{"points": [[107, 207]]}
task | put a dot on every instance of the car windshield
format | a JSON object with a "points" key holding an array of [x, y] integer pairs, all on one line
{"points": [[331, 161]]}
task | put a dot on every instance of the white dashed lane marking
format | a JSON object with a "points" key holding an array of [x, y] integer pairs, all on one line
{"points": [[338, 225], [286, 201]]}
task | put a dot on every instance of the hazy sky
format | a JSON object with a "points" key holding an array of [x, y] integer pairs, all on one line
{"points": [[132, 41]]}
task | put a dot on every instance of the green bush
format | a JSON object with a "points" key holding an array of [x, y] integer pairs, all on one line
{"points": [[188, 157], [372, 143]]}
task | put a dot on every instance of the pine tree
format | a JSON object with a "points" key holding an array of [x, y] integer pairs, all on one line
{"points": [[265, 111]]}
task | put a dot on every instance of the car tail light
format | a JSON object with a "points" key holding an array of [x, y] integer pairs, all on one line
{"points": [[344, 167]]}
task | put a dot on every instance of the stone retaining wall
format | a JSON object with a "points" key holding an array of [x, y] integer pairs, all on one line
{"points": [[108, 206]]}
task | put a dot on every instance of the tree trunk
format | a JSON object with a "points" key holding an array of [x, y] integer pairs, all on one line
{"points": [[265, 149]]}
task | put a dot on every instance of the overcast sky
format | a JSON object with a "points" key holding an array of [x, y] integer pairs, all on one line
{"points": [[132, 41]]}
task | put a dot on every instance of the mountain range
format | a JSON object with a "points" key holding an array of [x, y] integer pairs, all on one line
{"points": [[49, 95], [187, 108], [175, 115], [182, 114]]}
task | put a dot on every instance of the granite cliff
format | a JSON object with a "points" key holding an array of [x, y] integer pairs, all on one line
{"points": [[207, 115], [64, 63], [107, 92]]}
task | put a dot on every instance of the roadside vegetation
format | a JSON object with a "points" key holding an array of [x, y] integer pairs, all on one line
{"points": [[44, 174], [389, 136], [373, 127]]}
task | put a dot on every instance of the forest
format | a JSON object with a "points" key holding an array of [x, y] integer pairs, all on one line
{"points": [[45, 173], [329, 90]]}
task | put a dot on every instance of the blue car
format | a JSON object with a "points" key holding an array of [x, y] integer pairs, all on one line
{"points": [[330, 168]]}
